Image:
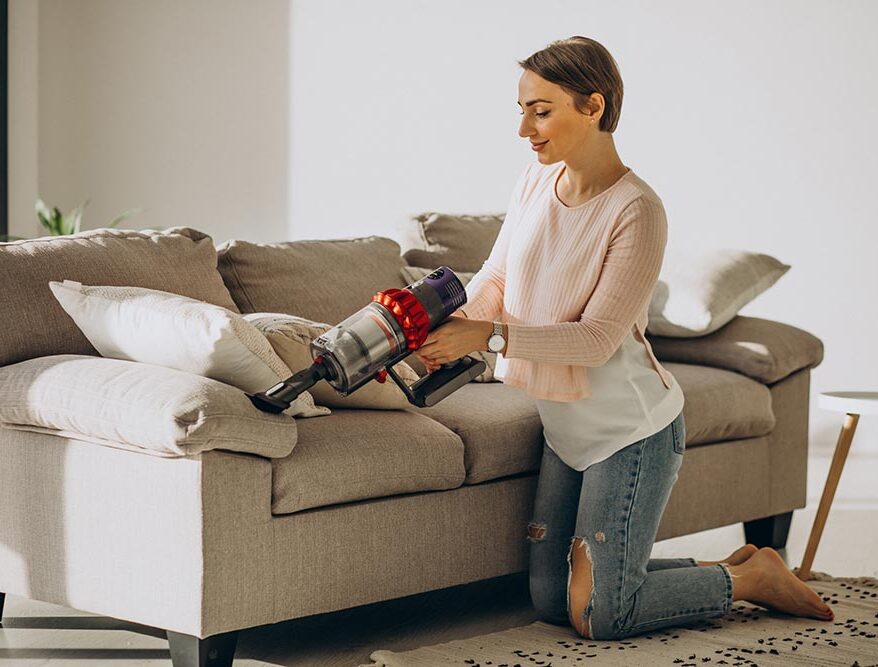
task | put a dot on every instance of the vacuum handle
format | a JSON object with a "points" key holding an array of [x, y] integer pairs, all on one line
{"points": [[432, 388]]}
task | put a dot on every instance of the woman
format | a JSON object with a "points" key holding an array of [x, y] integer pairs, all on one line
{"points": [[568, 284]]}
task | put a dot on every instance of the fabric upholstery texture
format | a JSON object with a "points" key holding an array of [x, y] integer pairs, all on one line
{"points": [[179, 260], [322, 280], [144, 407], [764, 350], [393, 452]]}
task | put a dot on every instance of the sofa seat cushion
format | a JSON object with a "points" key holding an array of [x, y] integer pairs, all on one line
{"points": [[499, 425], [357, 454], [761, 349], [503, 435], [721, 405]]}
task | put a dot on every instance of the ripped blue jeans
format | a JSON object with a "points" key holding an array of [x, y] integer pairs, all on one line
{"points": [[615, 506]]}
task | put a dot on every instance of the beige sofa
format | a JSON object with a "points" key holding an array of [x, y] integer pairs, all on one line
{"points": [[371, 504]]}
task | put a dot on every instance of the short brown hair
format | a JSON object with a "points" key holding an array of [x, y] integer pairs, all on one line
{"points": [[581, 66]]}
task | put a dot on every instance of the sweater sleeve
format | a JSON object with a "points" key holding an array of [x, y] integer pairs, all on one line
{"points": [[624, 288], [484, 292]]}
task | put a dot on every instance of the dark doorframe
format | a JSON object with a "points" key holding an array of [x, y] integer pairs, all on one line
{"points": [[4, 117]]}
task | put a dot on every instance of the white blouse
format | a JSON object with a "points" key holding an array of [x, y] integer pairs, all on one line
{"points": [[629, 402]]}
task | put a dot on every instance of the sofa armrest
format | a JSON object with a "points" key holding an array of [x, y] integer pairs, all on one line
{"points": [[761, 349]]}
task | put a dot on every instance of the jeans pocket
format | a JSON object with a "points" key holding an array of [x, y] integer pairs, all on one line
{"points": [[678, 434]]}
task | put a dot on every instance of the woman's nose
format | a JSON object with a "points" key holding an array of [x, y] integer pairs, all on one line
{"points": [[524, 130]]}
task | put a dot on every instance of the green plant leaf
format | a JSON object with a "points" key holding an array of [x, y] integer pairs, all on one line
{"points": [[44, 215], [74, 219], [56, 222], [124, 215]]}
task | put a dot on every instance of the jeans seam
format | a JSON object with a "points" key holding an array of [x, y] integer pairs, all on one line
{"points": [[729, 599], [682, 448], [628, 524], [635, 628]]}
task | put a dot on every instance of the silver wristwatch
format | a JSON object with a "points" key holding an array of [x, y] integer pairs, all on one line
{"points": [[496, 342]]}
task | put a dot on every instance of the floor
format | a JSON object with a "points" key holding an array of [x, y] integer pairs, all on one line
{"points": [[36, 633]]}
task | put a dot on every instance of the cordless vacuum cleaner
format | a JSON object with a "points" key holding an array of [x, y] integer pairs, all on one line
{"points": [[368, 343]]}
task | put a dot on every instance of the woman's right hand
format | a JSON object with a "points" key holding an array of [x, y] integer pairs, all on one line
{"points": [[428, 365]]}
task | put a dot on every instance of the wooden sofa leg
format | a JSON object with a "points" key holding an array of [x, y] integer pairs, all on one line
{"points": [[772, 531], [2, 600], [214, 651]]}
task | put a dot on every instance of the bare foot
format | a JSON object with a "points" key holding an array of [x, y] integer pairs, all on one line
{"points": [[777, 588], [737, 557]]}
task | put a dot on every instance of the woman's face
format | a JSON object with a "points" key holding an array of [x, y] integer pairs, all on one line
{"points": [[553, 125]]}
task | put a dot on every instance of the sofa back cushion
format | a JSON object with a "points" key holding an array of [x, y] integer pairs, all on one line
{"points": [[320, 280], [460, 242], [179, 260]]}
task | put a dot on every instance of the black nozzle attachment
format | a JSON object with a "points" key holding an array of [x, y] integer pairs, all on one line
{"points": [[281, 396]]}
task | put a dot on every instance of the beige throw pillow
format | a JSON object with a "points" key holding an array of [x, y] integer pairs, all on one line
{"points": [[413, 274], [140, 407], [696, 295], [291, 337], [174, 331]]}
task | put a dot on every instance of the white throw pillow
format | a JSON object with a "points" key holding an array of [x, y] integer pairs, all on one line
{"points": [[696, 295], [412, 274], [155, 327], [139, 407], [291, 337]]}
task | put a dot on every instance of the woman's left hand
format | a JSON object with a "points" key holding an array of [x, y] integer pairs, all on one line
{"points": [[454, 339]]}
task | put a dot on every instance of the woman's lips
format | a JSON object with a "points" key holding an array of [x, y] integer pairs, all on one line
{"points": [[539, 147]]}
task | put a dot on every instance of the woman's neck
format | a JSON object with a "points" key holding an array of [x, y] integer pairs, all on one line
{"points": [[594, 170]]}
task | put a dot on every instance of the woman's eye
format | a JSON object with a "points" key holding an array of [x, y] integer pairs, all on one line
{"points": [[539, 114]]}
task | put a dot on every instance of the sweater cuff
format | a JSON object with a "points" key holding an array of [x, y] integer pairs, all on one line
{"points": [[512, 340]]}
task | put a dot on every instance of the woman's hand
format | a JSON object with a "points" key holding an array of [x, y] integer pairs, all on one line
{"points": [[453, 339]]}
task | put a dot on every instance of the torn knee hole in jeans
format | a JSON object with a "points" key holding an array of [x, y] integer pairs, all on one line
{"points": [[536, 532], [585, 618]]}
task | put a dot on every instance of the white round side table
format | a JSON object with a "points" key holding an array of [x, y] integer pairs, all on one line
{"points": [[853, 404]]}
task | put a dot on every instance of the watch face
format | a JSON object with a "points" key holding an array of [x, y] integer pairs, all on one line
{"points": [[496, 343]]}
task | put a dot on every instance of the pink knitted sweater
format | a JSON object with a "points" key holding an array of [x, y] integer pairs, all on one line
{"points": [[570, 282]]}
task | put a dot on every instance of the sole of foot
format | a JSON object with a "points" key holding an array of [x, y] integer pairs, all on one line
{"points": [[778, 588]]}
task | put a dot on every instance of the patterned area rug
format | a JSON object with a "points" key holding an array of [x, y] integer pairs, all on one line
{"points": [[748, 636]]}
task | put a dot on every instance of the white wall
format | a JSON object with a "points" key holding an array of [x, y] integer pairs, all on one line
{"points": [[753, 121], [22, 128], [180, 108]]}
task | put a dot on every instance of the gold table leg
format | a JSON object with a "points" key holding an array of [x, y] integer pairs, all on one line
{"points": [[838, 458]]}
